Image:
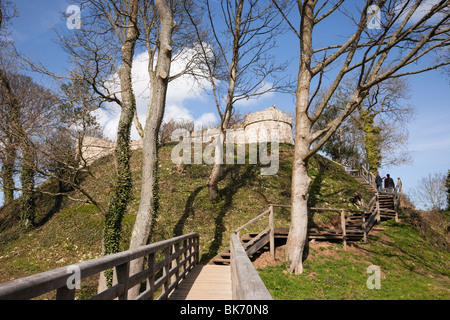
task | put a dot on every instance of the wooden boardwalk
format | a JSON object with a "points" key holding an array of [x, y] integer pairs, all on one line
{"points": [[205, 282]]}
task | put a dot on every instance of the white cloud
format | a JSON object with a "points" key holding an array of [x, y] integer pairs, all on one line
{"points": [[179, 91], [177, 113], [423, 8], [252, 101], [207, 119]]}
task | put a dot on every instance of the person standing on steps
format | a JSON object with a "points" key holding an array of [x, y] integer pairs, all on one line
{"points": [[389, 184], [379, 183]]}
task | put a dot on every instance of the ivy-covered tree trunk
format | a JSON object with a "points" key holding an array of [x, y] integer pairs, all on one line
{"points": [[447, 186], [28, 208], [159, 80], [17, 138], [372, 140], [121, 191], [8, 172]]}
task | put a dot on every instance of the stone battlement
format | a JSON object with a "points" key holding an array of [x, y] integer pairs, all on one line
{"points": [[96, 148], [256, 128], [268, 119]]}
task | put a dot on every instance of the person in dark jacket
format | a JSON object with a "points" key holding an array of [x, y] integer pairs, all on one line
{"points": [[389, 184], [379, 183]]}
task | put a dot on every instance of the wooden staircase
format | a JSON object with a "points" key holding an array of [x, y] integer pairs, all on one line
{"points": [[386, 201], [355, 225], [368, 186], [252, 242]]}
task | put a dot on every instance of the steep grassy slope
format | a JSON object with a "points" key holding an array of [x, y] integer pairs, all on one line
{"points": [[411, 268], [70, 231]]}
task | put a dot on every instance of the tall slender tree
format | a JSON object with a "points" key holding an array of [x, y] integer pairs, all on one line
{"points": [[391, 50], [159, 79], [236, 59], [102, 48]]}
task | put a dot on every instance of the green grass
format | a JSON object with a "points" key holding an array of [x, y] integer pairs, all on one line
{"points": [[411, 269], [71, 231]]}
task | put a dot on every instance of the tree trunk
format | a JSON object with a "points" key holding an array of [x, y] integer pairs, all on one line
{"points": [[159, 79], [298, 231], [13, 136], [214, 177], [121, 191], [8, 172], [372, 140], [18, 134], [27, 180]]}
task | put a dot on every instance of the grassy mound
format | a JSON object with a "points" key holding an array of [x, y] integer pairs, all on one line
{"points": [[70, 231], [411, 268]]}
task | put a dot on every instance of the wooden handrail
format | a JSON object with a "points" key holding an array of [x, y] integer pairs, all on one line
{"points": [[245, 281], [185, 258], [337, 210], [251, 221]]}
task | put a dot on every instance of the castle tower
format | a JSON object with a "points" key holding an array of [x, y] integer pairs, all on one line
{"points": [[268, 119]]}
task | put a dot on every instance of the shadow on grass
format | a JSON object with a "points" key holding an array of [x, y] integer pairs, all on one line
{"points": [[225, 201], [188, 211]]}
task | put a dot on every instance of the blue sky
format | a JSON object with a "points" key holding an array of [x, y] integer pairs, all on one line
{"points": [[429, 131]]}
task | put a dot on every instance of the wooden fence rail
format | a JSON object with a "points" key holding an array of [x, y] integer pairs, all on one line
{"points": [[245, 281], [180, 255]]}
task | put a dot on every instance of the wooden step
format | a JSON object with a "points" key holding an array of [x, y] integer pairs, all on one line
{"points": [[250, 241]]}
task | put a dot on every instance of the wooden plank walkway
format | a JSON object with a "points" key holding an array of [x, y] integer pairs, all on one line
{"points": [[205, 282]]}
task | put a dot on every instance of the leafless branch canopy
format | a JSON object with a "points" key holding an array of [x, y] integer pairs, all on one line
{"points": [[402, 44]]}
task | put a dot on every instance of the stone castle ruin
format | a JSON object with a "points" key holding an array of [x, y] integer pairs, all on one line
{"points": [[269, 119], [257, 127], [96, 148]]}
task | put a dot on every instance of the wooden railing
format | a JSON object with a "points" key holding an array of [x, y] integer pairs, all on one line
{"points": [[374, 209], [270, 230], [179, 256], [245, 281], [367, 175], [343, 220]]}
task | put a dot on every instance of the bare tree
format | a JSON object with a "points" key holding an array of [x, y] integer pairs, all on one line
{"points": [[8, 147], [167, 37], [170, 126], [381, 117], [28, 118], [375, 134], [102, 48], [236, 61], [447, 187], [431, 192], [41, 127], [373, 56], [159, 79]]}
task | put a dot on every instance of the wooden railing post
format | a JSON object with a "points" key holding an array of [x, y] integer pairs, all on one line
{"points": [[272, 232], [151, 279], [122, 274], [344, 234], [184, 256], [166, 270], [191, 252], [64, 293], [197, 250], [378, 217], [176, 264], [364, 226]]}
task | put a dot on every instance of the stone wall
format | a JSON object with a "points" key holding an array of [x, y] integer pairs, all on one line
{"points": [[258, 123], [96, 148], [257, 127]]}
